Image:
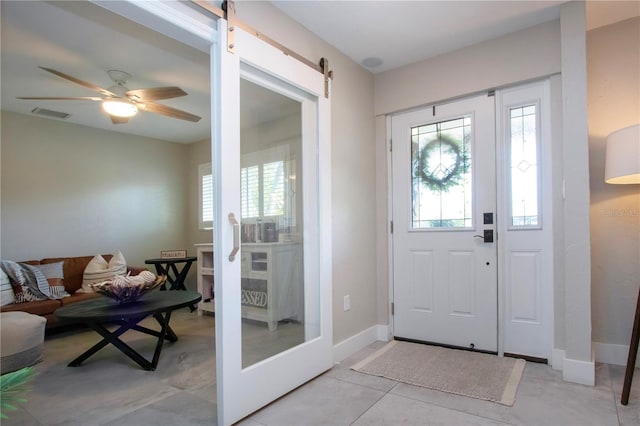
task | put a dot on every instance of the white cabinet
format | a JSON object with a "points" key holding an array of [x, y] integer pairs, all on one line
{"points": [[272, 282], [205, 277]]}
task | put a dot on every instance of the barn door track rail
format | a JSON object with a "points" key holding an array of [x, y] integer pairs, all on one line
{"points": [[228, 12]]}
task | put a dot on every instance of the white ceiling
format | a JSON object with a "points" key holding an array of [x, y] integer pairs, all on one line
{"points": [[404, 32], [84, 40]]}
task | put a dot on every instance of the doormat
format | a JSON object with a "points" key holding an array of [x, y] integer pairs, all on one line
{"points": [[473, 374]]}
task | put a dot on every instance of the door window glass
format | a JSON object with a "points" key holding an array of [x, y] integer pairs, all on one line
{"points": [[523, 146], [441, 179], [274, 292]]}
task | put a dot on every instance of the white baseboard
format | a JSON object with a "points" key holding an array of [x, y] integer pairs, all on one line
{"points": [[557, 356], [358, 341], [610, 353], [576, 371]]}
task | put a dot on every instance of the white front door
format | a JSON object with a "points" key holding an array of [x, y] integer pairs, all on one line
{"points": [[272, 250], [444, 201]]}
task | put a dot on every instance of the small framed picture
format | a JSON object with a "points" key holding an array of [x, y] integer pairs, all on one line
{"points": [[173, 254]]}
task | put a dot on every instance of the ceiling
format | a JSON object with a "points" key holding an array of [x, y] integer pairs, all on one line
{"points": [[403, 32], [85, 41], [392, 34]]}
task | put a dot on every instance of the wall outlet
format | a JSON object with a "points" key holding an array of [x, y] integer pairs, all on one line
{"points": [[347, 303]]}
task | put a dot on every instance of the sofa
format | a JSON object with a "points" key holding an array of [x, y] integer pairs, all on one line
{"points": [[73, 270]]}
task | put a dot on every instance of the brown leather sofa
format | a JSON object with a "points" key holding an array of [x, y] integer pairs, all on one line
{"points": [[73, 269]]}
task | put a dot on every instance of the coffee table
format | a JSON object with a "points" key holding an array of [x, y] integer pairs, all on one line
{"points": [[96, 313]]}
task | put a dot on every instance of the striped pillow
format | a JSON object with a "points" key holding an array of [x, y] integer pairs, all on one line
{"points": [[54, 274], [99, 270]]}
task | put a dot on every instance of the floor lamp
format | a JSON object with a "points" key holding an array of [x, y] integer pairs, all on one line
{"points": [[622, 166]]}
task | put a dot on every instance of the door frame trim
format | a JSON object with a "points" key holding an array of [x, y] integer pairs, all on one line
{"points": [[547, 202]]}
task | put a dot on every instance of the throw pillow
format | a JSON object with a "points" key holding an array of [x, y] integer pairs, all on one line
{"points": [[6, 291], [99, 270], [54, 274], [28, 283]]}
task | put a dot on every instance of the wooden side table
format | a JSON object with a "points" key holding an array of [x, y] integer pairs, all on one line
{"points": [[168, 267]]}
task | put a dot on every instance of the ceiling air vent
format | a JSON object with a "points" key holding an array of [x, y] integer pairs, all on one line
{"points": [[50, 113]]}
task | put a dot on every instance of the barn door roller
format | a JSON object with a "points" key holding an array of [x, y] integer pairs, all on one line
{"points": [[228, 11]]}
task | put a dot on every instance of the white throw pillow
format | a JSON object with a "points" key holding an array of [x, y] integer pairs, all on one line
{"points": [[6, 292], [99, 270]]}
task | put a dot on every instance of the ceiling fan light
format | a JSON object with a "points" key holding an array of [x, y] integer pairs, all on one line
{"points": [[119, 108]]}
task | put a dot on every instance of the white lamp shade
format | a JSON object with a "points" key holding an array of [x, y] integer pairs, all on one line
{"points": [[119, 108], [622, 163]]}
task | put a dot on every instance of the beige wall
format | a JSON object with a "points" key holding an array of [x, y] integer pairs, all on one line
{"points": [[353, 167], [613, 71], [513, 58], [491, 64], [70, 190], [198, 153]]}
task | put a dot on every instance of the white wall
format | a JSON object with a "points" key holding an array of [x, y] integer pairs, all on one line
{"points": [[613, 72], [353, 167], [578, 364], [70, 190]]}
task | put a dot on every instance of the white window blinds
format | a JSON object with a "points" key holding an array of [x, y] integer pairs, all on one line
{"points": [[206, 196]]}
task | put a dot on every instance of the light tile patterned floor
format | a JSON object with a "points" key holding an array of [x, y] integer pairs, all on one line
{"points": [[110, 389]]}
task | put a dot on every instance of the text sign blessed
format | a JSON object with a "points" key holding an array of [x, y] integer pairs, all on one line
{"points": [[173, 254]]}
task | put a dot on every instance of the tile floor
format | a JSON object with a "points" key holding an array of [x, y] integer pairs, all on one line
{"points": [[108, 389]]}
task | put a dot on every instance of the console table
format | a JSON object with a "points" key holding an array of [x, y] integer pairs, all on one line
{"points": [[103, 310]]}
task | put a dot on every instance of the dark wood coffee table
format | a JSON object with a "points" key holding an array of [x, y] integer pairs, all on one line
{"points": [[97, 313]]}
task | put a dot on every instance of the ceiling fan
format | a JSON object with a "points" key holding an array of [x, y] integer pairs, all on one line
{"points": [[120, 102]]}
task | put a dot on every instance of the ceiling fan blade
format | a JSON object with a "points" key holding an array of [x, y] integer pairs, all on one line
{"points": [[119, 120], [77, 98], [155, 93], [81, 82], [168, 111]]}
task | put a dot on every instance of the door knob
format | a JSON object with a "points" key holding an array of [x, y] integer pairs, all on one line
{"points": [[487, 237]]}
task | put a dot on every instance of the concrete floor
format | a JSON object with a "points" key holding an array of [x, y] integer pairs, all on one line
{"points": [[109, 389]]}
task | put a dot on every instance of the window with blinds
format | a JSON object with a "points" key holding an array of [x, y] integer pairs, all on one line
{"points": [[273, 188], [206, 196], [250, 191], [263, 190]]}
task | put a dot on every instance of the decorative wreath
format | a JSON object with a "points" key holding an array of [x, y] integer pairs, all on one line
{"points": [[442, 178]]}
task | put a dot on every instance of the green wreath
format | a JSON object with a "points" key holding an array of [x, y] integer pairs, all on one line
{"points": [[441, 178]]}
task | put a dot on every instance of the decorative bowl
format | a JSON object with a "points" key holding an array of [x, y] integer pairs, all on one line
{"points": [[128, 289]]}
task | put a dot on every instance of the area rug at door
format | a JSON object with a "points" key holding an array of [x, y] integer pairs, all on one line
{"points": [[472, 374]]}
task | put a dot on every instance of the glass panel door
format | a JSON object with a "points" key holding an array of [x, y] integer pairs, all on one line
{"points": [[273, 258], [272, 264]]}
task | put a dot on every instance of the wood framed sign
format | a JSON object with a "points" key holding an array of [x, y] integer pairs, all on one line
{"points": [[173, 254]]}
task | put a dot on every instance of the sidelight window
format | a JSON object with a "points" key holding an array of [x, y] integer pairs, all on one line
{"points": [[523, 157]]}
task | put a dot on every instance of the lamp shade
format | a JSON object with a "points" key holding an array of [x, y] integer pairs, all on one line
{"points": [[622, 163], [119, 108]]}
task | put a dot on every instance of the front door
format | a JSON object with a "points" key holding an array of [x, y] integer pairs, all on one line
{"points": [[444, 242]]}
